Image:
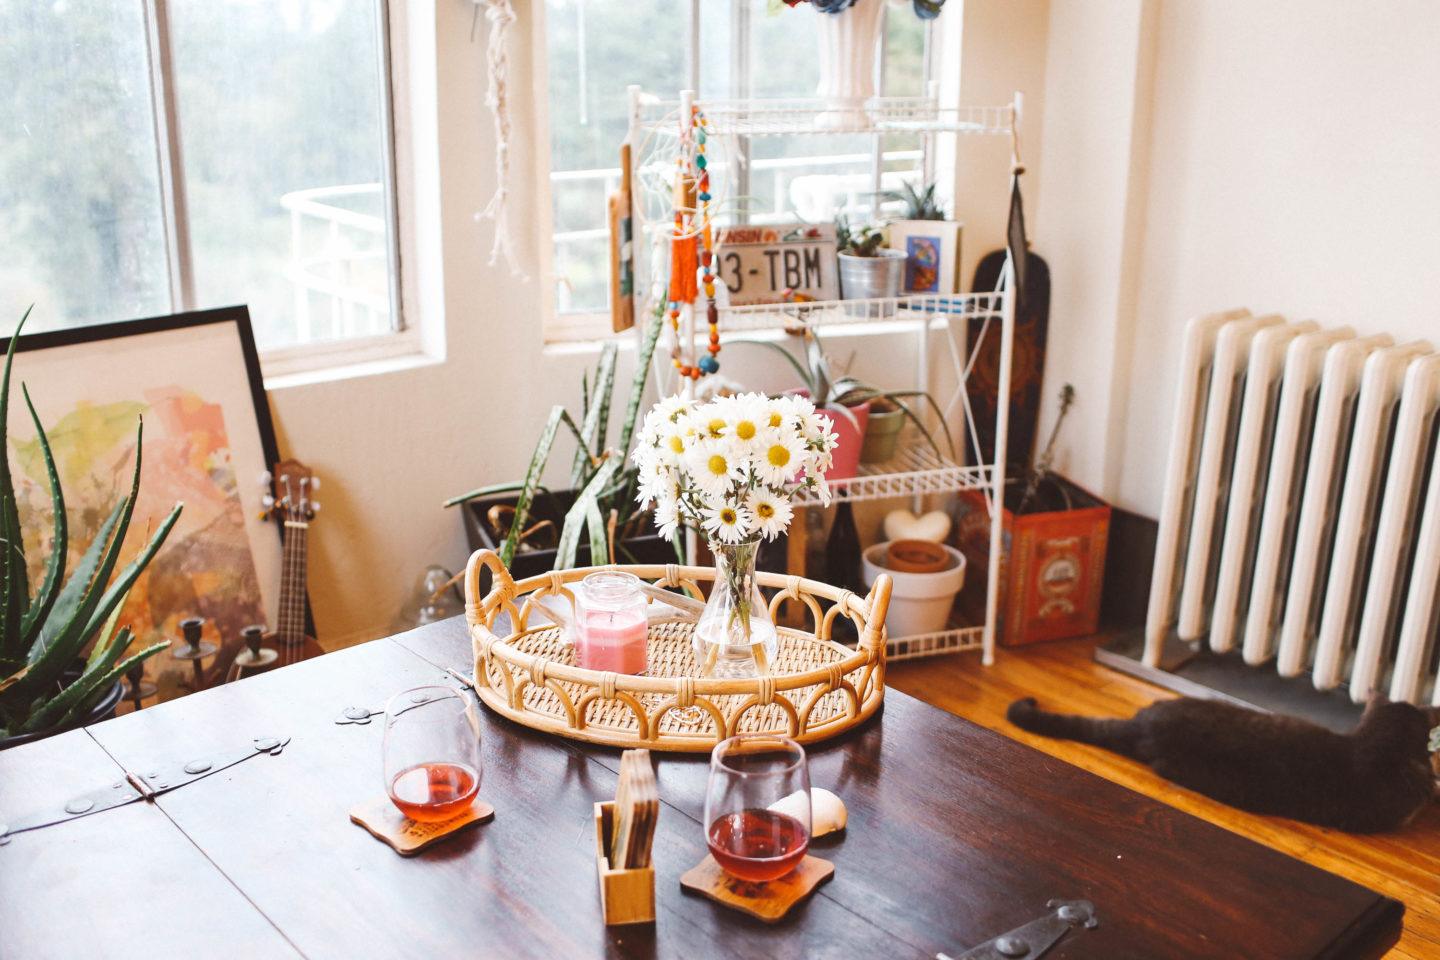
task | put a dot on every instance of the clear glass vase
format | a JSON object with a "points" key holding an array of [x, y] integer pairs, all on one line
{"points": [[735, 636]]}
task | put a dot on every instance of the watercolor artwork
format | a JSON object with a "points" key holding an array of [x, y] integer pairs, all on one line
{"points": [[202, 446], [922, 264], [932, 254]]}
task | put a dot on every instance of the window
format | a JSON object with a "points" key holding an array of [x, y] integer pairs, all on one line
{"points": [[595, 48], [165, 155]]}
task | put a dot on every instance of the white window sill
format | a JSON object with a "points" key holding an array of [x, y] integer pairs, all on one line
{"points": [[298, 367]]}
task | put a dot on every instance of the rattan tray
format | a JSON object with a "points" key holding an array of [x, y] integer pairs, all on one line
{"points": [[817, 688]]}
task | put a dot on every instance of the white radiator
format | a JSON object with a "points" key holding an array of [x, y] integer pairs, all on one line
{"points": [[1301, 513]]}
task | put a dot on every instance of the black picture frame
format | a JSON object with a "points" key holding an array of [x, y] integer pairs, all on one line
{"points": [[238, 314]]}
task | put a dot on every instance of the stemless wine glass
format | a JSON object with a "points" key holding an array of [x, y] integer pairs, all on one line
{"points": [[431, 752], [757, 806]]}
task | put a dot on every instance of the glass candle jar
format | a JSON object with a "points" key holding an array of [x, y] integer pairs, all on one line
{"points": [[610, 628]]}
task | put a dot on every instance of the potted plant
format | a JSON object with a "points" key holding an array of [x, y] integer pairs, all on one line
{"points": [[852, 406], [929, 240], [596, 520], [868, 270], [1055, 536], [48, 683]]}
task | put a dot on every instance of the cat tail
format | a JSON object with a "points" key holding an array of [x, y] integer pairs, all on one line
{"points": [[1116, 735]]}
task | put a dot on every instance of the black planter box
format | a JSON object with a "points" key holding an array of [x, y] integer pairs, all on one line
{"points": [[528, 563]]}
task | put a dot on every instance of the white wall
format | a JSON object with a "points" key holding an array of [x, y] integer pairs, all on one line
{"points": [[1286, 161], [392, 445]]}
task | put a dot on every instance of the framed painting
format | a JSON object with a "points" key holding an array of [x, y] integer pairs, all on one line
{"points": [[194, 380], [932, 254]]}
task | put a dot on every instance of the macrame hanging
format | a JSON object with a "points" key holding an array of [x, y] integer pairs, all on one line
{"points": [[500, 14]]}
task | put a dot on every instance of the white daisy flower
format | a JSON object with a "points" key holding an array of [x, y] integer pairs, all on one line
{"points": [[728, 523], [747, 416], [713, 466], [655, 482], [670, 409], [667, 517], [780, 455], [771, 511]]}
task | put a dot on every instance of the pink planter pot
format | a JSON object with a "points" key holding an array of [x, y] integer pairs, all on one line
{"points": [[851, 431]]}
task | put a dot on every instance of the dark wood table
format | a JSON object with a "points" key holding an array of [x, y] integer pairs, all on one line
{"points": [[956, 834]]}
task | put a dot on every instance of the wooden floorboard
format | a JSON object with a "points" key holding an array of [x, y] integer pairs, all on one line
{"points": [[1063, 676]]}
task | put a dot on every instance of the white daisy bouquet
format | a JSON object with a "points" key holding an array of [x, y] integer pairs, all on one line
{"points": [[731, 465]]}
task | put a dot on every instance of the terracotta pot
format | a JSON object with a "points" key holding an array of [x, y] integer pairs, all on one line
{"points": [[851, 431], [916, 556]]}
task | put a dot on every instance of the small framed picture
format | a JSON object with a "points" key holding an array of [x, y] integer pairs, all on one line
{"points": [[932, 254]]}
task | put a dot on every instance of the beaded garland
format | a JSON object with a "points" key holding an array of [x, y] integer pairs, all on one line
{"points": [[684, 243]]}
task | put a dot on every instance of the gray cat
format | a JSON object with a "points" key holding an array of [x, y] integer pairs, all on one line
{"points": [[1373, 779]]}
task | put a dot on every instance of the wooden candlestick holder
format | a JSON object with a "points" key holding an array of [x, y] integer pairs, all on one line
{"points": [[626, 896]]}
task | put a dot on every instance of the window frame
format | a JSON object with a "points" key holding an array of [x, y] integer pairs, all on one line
{"points": [[403, 338], [578, 326]]}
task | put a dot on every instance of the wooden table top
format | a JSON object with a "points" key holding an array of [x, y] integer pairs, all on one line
{"points": [[956, 834]]}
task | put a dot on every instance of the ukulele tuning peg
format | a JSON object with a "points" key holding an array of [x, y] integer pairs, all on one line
{"points": [[265, 478], [268, 502], [314, 506], [314, 484]]}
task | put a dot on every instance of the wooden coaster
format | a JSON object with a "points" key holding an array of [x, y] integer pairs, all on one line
{"points": [[768, 901], [408, 837]]}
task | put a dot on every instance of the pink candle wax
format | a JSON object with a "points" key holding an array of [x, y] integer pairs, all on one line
{"points": [[612, 640]]}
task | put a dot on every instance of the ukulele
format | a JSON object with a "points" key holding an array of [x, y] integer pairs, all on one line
{"points": [[289, 500]]}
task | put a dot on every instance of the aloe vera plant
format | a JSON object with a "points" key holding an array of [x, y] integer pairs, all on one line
{"points": [[42, 634], [604, 510]]}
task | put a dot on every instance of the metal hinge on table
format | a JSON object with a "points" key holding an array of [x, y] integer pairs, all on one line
{"points": [[362, 715], [133, 787], [1037, 936]]}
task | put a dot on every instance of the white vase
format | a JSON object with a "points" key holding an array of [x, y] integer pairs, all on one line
{"points": [[849, 42]]}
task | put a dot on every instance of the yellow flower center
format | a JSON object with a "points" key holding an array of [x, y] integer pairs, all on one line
{"points": [[764, 511], [744, 429], [677, 443], [717, 465], [778, 456], [776, 419], [715, 427], [727, 515]]}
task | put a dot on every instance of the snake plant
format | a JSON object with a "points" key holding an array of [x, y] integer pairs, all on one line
{"points": [[604, 508], [43, 634]]}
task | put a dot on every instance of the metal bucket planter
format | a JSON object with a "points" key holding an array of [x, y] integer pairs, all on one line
{"points": [[866, 278]]}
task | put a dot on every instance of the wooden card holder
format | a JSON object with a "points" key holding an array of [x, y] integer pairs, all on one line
{"points": [[626, 896]]}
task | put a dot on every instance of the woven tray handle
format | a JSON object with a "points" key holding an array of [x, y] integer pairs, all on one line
{"points": [[877, 604], [500, 580]]}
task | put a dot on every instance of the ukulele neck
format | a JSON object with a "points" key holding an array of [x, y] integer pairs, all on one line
{"points": [[290, 628]]}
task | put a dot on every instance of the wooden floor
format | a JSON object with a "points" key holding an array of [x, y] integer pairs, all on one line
{"points": [[1062, 676]]}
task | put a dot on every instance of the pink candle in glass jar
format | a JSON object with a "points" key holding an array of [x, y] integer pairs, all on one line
{"points": [[611, 629]]}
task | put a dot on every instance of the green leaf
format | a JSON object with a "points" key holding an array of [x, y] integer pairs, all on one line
{"points": [[488, 491], [130, 574], [531, 483], [34, 617], [576, 517], [104, 644], [72, 703], [12, 565], [592, 428], [76, 587]]}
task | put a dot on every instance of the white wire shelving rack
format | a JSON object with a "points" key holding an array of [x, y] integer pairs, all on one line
{"points": [[916, 470]]}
